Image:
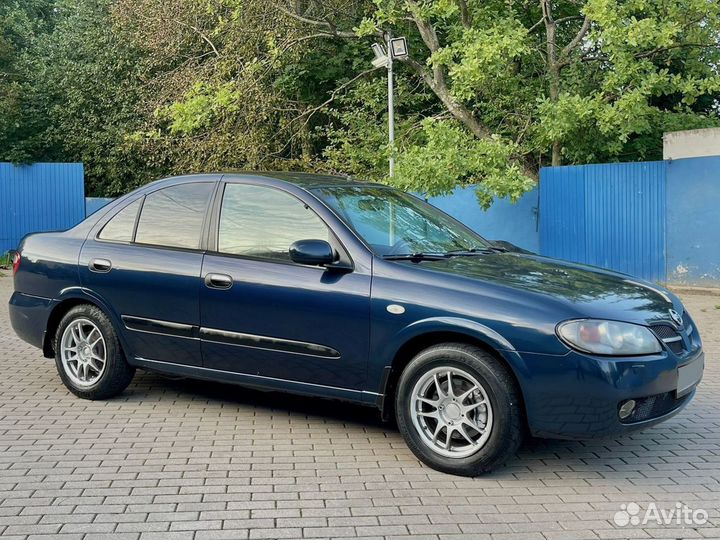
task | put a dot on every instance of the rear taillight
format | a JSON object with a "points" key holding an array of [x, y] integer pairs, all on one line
{"points": [[16, 261]]}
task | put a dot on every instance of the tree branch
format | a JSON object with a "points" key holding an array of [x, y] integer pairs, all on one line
{"points": [[536, 26], [569, 18], [330, 28], [307, 114], [577, 39], [657, 50], [465, 16], [437, 83], [200, 33]]}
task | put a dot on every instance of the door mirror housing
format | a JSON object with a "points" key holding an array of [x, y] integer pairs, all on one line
{"points": [[312, 252]]}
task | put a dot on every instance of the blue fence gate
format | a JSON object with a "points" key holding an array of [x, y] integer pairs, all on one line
{"points": [[610, 215], [39, 197]]}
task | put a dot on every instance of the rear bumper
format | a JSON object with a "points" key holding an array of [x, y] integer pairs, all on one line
{"points": [[29, 316], [578, 396]]}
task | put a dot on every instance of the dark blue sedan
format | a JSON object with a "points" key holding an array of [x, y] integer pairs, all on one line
{"points": [[340, 289]]}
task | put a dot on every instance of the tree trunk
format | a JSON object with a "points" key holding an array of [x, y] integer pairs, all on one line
{"points": [[553, 70], [554, 96]]}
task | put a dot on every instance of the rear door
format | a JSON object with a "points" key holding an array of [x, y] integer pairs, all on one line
{"points": [[262, 314], [145, 263]]}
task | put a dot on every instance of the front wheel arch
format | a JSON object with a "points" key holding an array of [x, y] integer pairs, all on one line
{"points": [[418, 343], [504, 415]]}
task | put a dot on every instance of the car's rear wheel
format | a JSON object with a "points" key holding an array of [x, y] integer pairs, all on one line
{"points": [[88, 355], [458, 409]]}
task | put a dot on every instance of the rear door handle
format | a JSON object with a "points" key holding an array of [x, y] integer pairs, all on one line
{"points": [[218, 281], [100, 265]]}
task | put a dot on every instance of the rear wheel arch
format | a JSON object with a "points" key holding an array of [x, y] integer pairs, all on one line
{"points": [[59, 311], [418, 343]]}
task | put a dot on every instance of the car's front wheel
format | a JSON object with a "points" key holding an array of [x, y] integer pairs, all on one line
{"points": [[88, 354], [458, 409]]}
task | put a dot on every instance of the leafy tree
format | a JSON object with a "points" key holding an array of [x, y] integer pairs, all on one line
{"points": [[235, 86], [492, 90], [521, 84], [21, 25]]}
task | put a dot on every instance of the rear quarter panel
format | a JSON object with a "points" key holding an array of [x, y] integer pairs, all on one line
{"points": [[48, 264]]}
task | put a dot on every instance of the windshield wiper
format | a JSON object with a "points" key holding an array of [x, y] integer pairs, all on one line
{"points": [[419, 256], [469, 252]]}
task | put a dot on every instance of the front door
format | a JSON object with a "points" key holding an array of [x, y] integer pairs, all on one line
{"points": [[265, 316], [145, 264]]}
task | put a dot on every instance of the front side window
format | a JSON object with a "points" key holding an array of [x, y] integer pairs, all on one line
{"points": [[258, 221], [120, 227], [393, 222], [174, 216]]}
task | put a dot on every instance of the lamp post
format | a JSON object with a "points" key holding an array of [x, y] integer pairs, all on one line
{"points": [[384, 55]]}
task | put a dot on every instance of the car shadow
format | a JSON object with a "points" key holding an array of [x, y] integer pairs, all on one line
{"points": [[148, 382]]}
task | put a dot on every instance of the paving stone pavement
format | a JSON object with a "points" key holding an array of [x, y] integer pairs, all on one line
{"points": [[191, 460]]}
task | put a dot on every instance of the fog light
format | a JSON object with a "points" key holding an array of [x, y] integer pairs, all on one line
{"points": [[626, 409]]}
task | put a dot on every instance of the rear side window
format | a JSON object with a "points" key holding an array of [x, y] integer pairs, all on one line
{"points": [[173, 216], [259, 221], [120, 227]]}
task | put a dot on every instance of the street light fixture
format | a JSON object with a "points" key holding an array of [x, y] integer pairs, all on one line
{"points": [[381, 57], [384, 55]]}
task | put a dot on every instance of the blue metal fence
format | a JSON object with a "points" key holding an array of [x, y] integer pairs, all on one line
{"points": [[93, 204], [693, 221], [610, 215], [513, 222], [655, 220], [39, 197]]}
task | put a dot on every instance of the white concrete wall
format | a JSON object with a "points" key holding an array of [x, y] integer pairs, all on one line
{"points": [[691, 143]]}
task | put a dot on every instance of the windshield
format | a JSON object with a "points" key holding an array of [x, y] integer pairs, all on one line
{"points": [[393, 222]]}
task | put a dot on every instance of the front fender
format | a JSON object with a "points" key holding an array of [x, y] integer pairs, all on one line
{"points": [[378, 376]]}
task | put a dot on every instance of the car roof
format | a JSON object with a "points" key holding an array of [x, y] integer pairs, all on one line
{"points": [[300, 179]]}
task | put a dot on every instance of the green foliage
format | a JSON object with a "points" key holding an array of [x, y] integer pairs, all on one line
{"points": [[479, 57], [448, 156], [649, 67], [201, 107], [22, 24], [138, 89]]}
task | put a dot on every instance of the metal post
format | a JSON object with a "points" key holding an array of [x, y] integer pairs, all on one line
{"points": [[391, 106]]}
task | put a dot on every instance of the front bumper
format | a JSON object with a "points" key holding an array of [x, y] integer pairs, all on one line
{"points": [[578, 396], [29, 316]]}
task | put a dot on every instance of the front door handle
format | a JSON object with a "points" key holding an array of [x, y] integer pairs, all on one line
{"points": [[102, 266], [218, 281]]}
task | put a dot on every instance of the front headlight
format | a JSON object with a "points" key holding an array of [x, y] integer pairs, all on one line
{"points": [[609, 337]]}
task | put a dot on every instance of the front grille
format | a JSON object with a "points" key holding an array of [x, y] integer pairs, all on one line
{"points": [[653, 406], [670, 337], [664, 331]]}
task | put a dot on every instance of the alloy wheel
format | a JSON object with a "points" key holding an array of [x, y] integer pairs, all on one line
{"points": [[451, 412], [83, 352]]}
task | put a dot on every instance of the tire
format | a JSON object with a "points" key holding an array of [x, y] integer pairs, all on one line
{"points": [[494, 404], [102, 379]]}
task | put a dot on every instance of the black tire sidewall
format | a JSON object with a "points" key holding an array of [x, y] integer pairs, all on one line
{"points": [[503, 401]]}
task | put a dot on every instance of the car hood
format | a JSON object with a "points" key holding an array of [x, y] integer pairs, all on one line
{"points": [[588, 291]]}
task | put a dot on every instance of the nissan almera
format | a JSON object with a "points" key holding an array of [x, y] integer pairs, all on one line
{"points": [[356, 291]]}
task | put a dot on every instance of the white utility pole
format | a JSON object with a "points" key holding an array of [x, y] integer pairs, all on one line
{"points": [[394, 48], [391, 105]]}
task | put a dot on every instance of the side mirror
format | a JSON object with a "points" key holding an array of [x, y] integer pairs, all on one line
{"points": [[313, 252]]}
